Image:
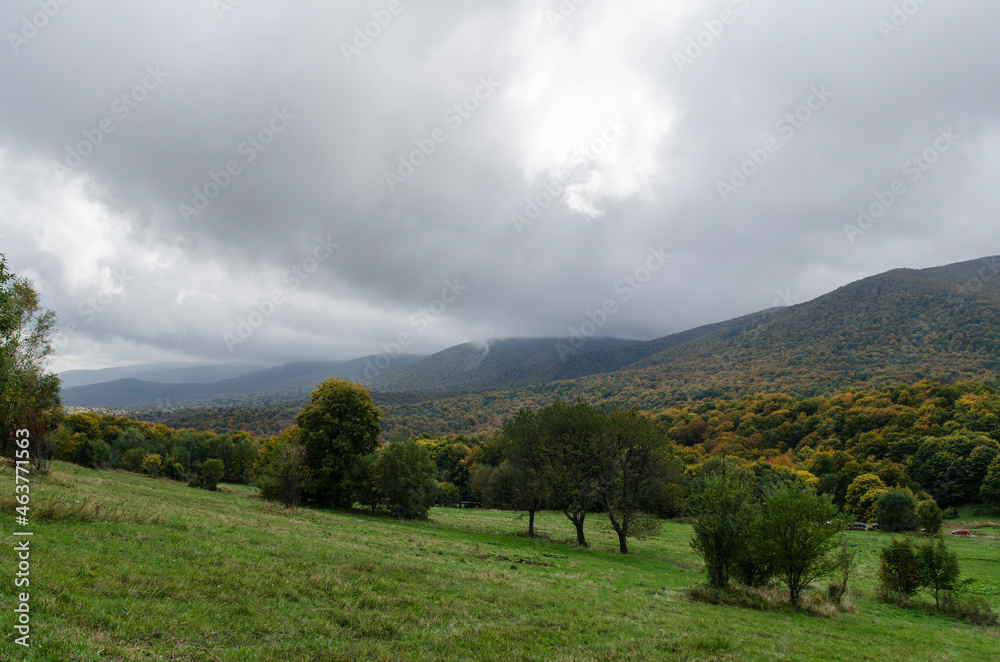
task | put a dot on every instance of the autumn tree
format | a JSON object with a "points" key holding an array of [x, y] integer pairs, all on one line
{"points": [[340, 424], [862, 496], [929, 516], [990, 490]]}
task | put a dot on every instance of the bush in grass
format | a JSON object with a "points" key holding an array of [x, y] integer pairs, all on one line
{"points": [[844, 563], [152, 463], [131, 459], [285, 475], [726, 516], [971, 608], [899, 571], [950, 513], [212, 472]]}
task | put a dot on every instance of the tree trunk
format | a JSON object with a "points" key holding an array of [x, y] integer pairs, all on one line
{"points": [[621, 528], [578, 523], [622, 545], [531, 523]]}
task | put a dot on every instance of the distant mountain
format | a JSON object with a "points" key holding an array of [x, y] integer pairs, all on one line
{"points": [[287, 382], [898, 327], [498, 364], [164, 373], [520, 362], [901, 326]]}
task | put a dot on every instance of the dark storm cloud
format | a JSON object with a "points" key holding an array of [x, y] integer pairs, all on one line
{"points": [[532, 153]]}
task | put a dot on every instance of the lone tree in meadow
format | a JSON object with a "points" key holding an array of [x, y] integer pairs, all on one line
{"points": [[938, 566], [340, 424]]}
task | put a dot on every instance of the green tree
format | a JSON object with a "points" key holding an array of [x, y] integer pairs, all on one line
{"points": [[404, 472], [636, 467], [575, 442], [528, 485], [360, 482], [212, 472], [802, 529], [725, 514], [29, 396], [990, 490], [896, 511], [899, 570], [938, 566], [285, 474], [929, 516], [340, 424]]}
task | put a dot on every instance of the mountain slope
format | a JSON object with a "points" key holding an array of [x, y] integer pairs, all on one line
{"points": [[287, 382], [900, 326]]}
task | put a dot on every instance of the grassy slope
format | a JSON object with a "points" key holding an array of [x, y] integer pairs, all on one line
{"points": [[153, 570]]}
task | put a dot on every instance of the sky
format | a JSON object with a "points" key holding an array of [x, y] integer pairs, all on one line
{"points": [[244, 180]]}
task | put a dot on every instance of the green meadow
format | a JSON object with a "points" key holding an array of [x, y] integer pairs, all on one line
{"points": [[125, 567]]}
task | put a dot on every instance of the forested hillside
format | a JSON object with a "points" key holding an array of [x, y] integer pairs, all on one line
{"points": [[895, 328]]}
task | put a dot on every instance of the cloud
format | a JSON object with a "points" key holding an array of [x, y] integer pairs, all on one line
{"points": [[582, 120]]}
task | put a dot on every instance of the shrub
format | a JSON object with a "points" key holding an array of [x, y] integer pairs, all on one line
{"points": [[285, 474], [212, 472], [950, 513], [971, 608], [899, 571], [801, 529], [844, 563], [132, 459], [152, 463], [726, 517]]}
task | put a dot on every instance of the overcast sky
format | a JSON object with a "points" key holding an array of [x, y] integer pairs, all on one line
{"points": [[223, 180]]}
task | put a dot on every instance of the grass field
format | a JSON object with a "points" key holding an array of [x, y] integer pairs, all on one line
{"points": [[129, 568]]}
